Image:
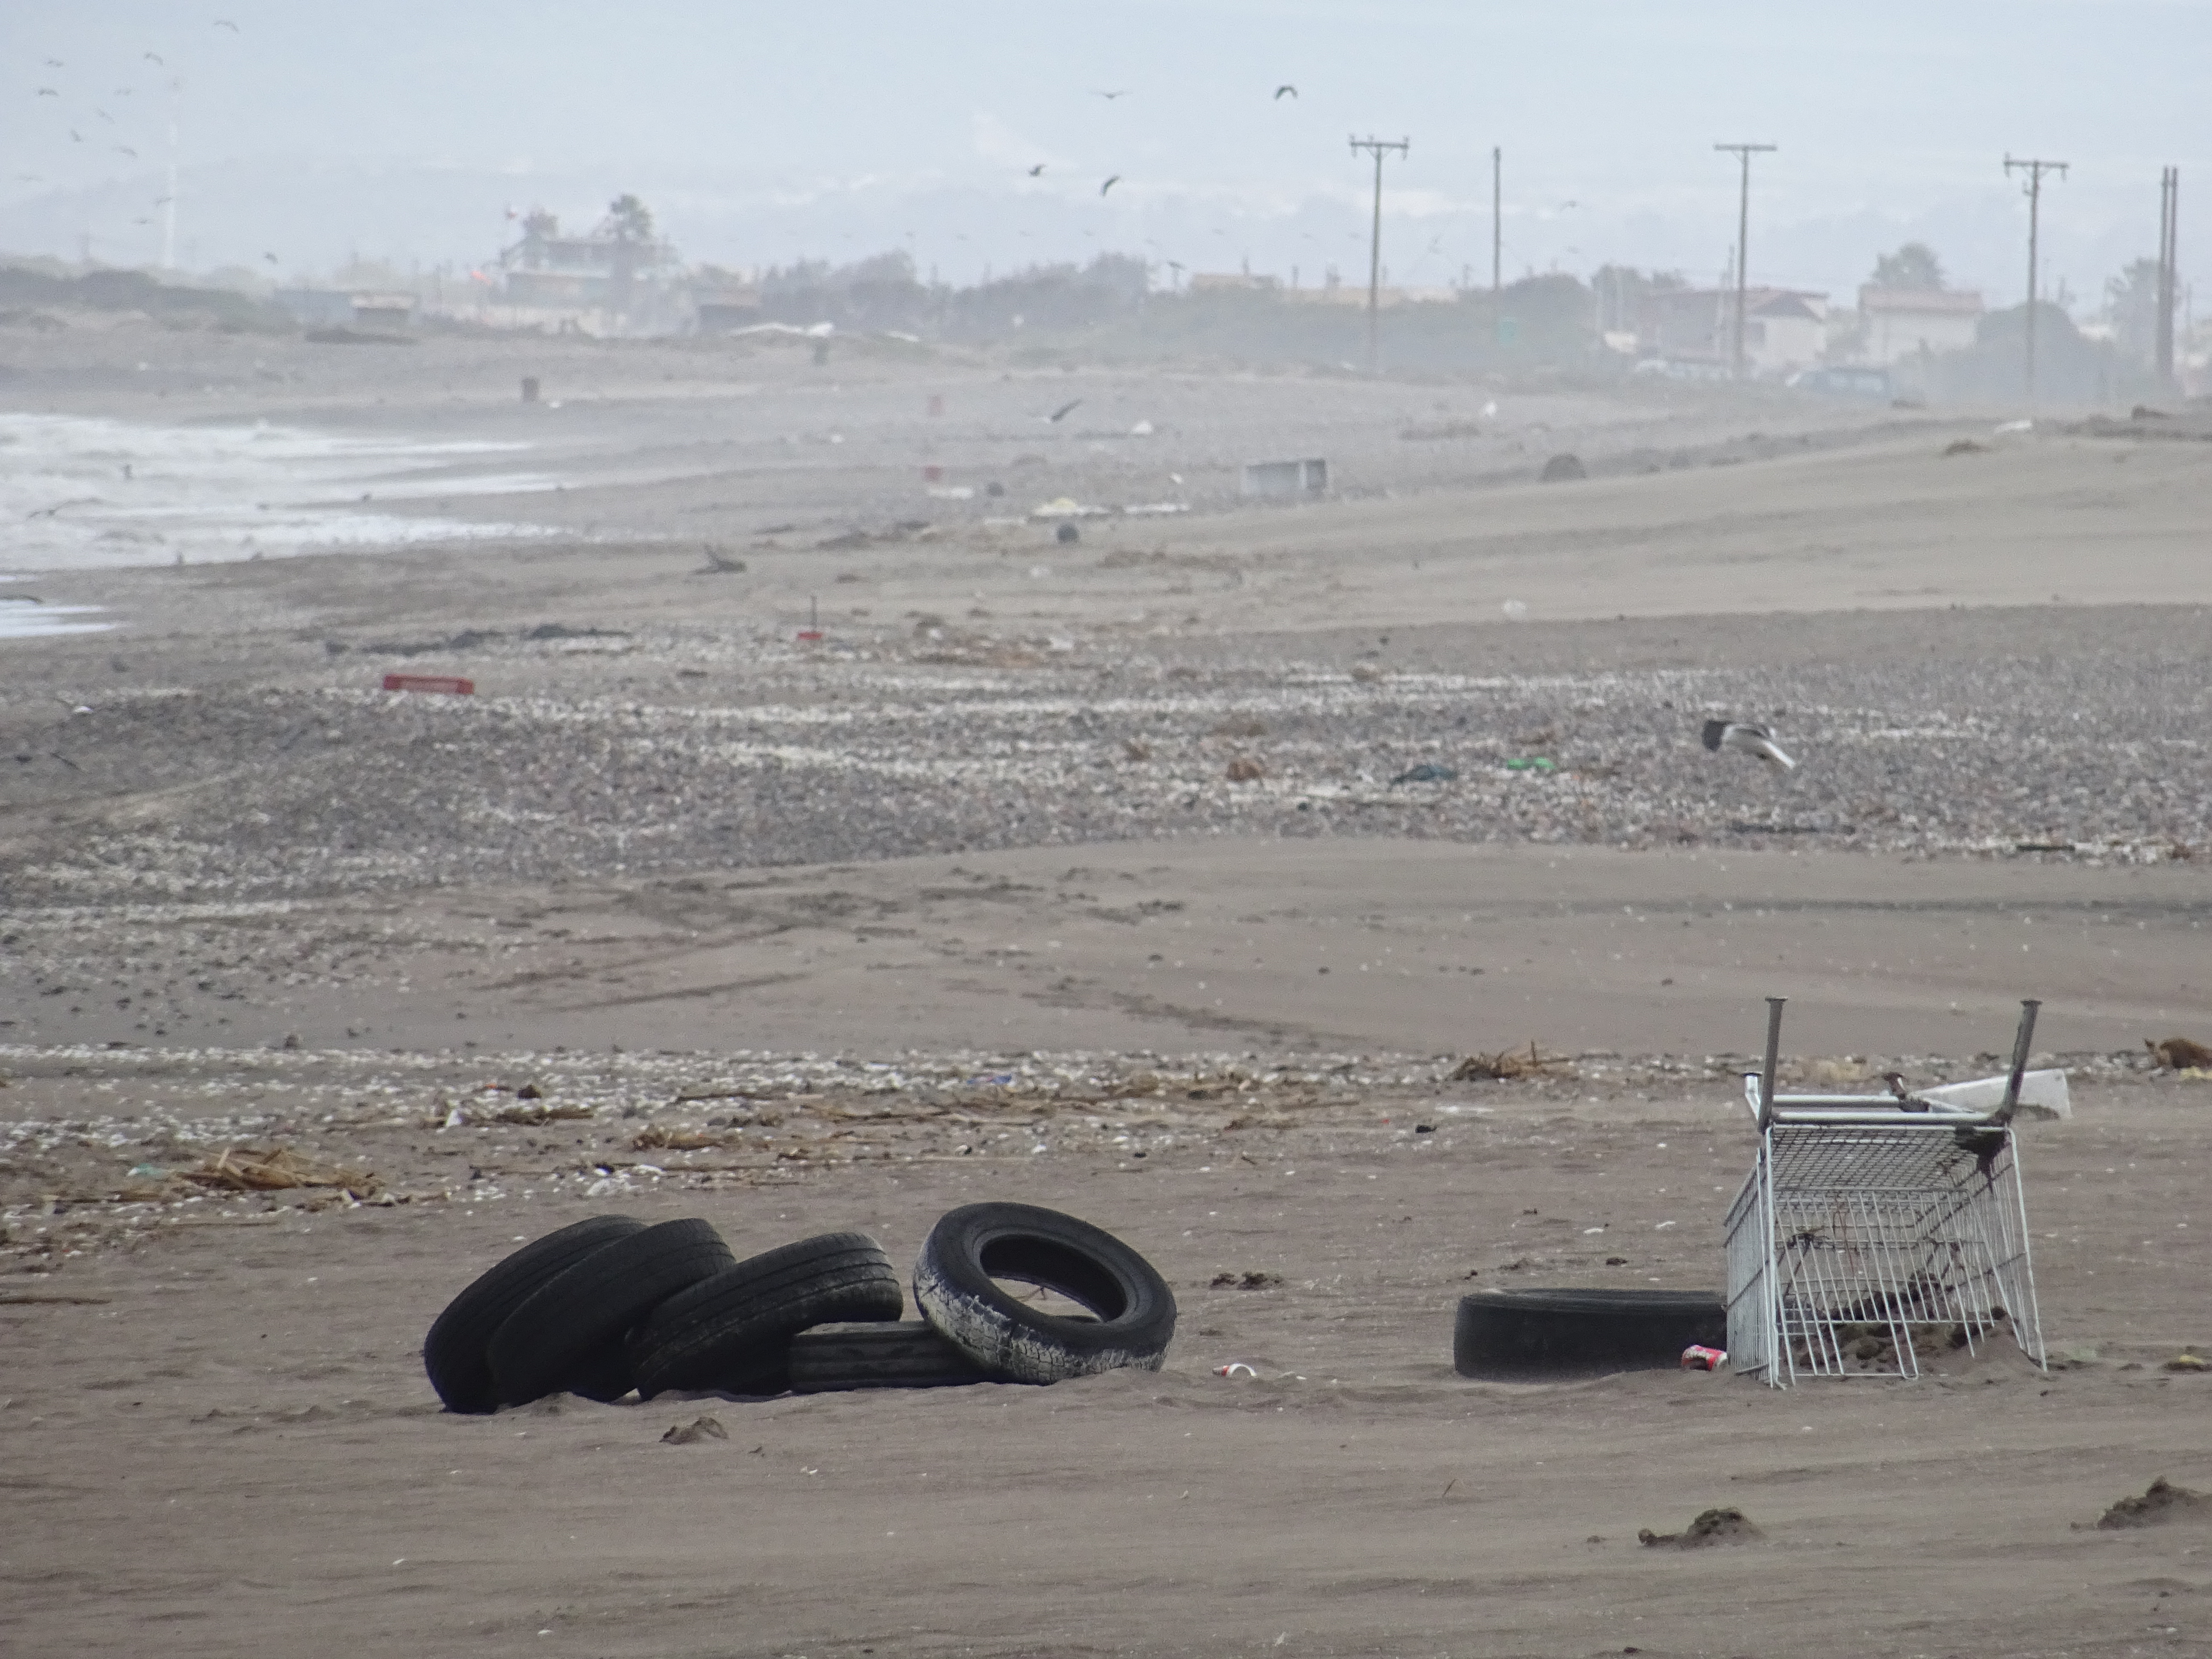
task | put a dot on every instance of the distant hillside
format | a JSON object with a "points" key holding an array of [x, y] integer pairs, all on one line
{"points": [[24, 289]]}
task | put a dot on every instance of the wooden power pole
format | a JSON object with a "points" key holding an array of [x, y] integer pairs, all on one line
{"points": [[1743, 152], [1497, 220], [2169, 229], [2034, 168], [1381, 147]]}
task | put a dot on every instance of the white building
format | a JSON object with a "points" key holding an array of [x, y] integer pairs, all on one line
{"points": [[1903, 322]]}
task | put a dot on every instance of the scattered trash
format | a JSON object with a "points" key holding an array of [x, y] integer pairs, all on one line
{"points": [[1506, 1064], [1747, 738], [995, 489], [1252, 1281], [240, 1170], [1065, 506], [2016, 426], [2162, 1503], [1233, 1368], [1564, 469], [535, 1116], [1136, 749], [2180, 1054], [657, 1139], [1068, 535], [1514, 611], [1699, 1358], [1304, 478], [1532, 764], [1729, 1526], [951, 493], [530, 388], [1239, 725], [450, 685], [1426, 772], [2180, 1362], [1965, 446], [1142, 429], [1243, 769], [691, 1433]]}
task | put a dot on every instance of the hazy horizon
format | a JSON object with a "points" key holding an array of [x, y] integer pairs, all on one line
{"points": [[407, 134]]}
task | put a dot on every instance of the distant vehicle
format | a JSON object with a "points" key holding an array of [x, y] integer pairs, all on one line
{"points": [[1845, 382], [1682, 368]]}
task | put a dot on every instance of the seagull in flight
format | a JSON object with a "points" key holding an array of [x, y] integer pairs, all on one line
{"points": [[126, 149], [1037, 171], [156, 58], [56, 62], [225, 23], [48, 92], [271, 257], [1110, 96], [1747, 738], [1060, 413], [1286, 90], [1109, 184]]}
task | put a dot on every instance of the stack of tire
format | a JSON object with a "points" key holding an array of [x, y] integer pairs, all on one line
{"points": [[608, 1304]]}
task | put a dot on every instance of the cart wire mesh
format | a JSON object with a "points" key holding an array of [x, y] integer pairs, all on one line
{"points": [[1866, 1249]]}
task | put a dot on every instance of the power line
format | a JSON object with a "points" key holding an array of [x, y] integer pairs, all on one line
{"points": [[2034, 168], [1379, 147], [1743, 152]]}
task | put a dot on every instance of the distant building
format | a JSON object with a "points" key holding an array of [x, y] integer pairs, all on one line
{"points": [[620, 272], [318, 307], [1784, 328], [1223, 282], [386, 313], [724, 300], [1903, 322]]}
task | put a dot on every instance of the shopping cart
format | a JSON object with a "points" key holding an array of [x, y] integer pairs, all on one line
{"points": [[1878, 1232]]}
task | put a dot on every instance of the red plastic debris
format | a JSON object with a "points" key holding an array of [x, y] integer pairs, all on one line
{"points": [[1699, 1357], [451, 686], [809, 634]]}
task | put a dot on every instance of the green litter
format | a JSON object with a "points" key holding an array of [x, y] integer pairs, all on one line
{"points": [[1534, 763]]}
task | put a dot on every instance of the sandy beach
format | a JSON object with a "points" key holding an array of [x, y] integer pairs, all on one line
{"points": [[1164, 877]]}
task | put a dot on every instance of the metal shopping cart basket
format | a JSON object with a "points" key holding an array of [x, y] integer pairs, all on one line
{"points": [[1878, 1232]]}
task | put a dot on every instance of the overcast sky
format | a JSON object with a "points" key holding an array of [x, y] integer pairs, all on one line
{"points": [[404, 130]]}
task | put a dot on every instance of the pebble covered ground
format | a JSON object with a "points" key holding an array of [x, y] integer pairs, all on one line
{"points": [[670, 749]]}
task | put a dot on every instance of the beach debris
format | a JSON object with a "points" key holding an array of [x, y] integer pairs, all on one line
{"points": [[1718, 1526], [1965, 446], [1136, 749], [1068, 535], [1514, 610], [1564, 469], [1699, 1358], [2022, 425], [534, 1115], [1234, 1368], [722, 562], [1747, 738], [2162, 1503], [1532, 764], [691, 1433], [1250, 1281], [243, 1169], [1506, 1064], [450, 685], [2188, 1362], [2180, 1054], [1245, 769], [658, 1139], [1426, 772]]}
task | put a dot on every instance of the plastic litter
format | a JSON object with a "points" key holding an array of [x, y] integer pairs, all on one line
{"points": [[1699, 1357], [451, 686], [1532, 764], [1233, 1368], [1425, 773]]}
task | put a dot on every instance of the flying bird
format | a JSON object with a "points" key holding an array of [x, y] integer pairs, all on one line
{"points": [[76, 137], [104, 116], [225, 23], [126, 149], [1747, 738], [1286, 90], [156, 58], [1037, 170], [56, 62], [1110, 96], [1109, 184], [48, 92], [1060, 413], [271, 257]]}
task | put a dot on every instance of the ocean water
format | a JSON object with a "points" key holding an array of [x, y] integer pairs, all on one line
{"points": [[82, 494]]}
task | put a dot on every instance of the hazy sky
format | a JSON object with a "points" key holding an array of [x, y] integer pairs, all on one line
{"points": [[404, 130]]}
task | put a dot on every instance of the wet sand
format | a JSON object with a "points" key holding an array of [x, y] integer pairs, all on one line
{"points": [[903, 918]]}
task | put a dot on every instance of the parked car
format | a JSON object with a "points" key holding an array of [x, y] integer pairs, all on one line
{"points": [[1838, 382]]}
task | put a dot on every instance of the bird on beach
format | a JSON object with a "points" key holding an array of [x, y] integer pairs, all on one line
{"points": [[1747, 738], [1286, 88], [1109, 184]]}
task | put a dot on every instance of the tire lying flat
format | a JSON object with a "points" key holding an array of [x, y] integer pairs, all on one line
{"points": [[977, 1243], [888, 1354], [456, 1351], [569, 1333], [732, 1332], [1551, 1335]]}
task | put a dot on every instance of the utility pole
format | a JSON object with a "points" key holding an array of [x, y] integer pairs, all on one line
{"points": [[1743, 152], [1381, 147], [2169, 228], [1496, 219], [2034, 168]]}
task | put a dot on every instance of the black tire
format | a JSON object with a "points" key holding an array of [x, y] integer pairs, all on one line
{"points": [[733, 1332], [903, 1354], [455, 1353], [569, 1334], [978, 1243], [1537, 1335]]}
